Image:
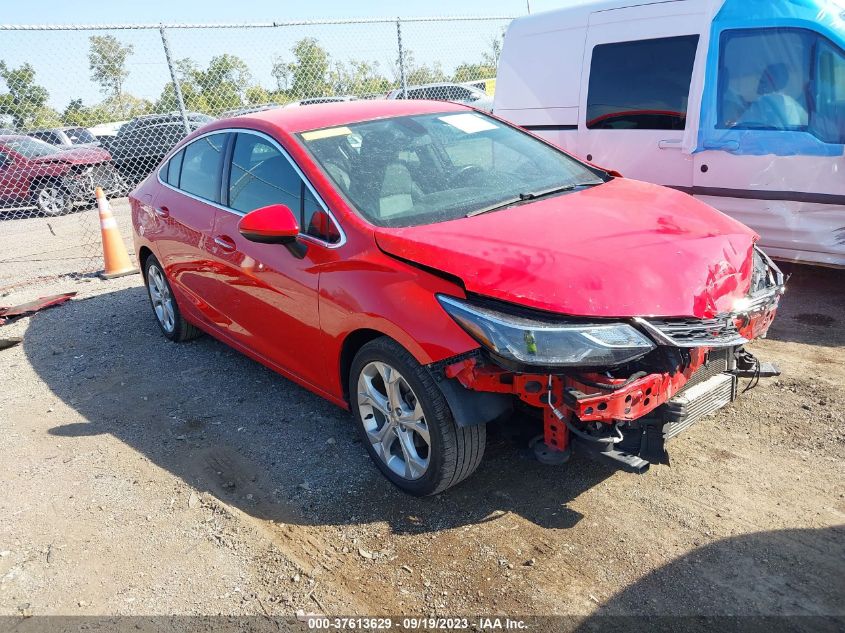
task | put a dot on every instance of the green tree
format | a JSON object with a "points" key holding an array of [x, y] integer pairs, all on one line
{"points": [[357, 78], [281, 73], [309, 73], [471, 72], [418, 74], [256, 95], [77, 114], [25, 101], [107, 62], [193, 97]]}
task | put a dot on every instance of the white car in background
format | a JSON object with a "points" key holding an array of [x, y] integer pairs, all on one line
{"points": [[106, 129], [446, 92]]}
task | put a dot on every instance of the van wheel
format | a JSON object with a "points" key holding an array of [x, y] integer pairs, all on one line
{"points": [[406, 423], [173, 325]]}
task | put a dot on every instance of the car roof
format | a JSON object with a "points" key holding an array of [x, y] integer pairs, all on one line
{"points": [[320, 115], [13, 137]]}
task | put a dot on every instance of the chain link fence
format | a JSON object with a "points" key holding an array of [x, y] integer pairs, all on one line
{"points": [[100, 105]]}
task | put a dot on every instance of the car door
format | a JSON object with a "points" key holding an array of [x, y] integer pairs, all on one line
{"points": [[270, 292], [773, 144], [185, 208], [639, 64]]}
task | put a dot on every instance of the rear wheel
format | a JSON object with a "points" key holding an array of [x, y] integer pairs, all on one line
{"points": [[406, 423], [52, 199], [173, 325]]}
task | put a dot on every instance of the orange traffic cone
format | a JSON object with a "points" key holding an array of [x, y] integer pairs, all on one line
{"points": [[115, 257]]}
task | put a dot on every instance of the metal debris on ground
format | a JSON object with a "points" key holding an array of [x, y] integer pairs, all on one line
{"points": [[11, 313]]}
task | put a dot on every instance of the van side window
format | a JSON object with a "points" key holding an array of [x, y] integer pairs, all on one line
{"points": [[781, 79], [641, 85], [827, 119]]}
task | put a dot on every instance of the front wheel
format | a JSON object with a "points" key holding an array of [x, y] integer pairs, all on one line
{"points": [[52, 199], [406, 423]]}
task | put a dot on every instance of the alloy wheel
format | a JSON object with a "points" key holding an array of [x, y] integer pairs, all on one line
{"points": [[51, 200], [394, 420], [161, 298]]}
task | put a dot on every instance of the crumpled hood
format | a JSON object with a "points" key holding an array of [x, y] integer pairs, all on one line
{"points": [[622, 249], [79, 156]]}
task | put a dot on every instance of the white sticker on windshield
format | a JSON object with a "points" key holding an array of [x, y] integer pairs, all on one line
{"points": [[469, 122]]}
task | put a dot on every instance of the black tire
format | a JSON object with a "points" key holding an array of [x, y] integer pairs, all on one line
{"points": [[454, 452], [52, 199], [176, 329]]}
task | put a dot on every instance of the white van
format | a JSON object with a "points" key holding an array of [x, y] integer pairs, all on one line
{"points": [[738, 102]]}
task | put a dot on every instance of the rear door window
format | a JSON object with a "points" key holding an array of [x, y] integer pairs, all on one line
{"points": [[201, 167], [641, 85]]}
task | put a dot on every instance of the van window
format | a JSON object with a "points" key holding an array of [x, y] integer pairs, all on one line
{"points": [[642, 85], [782, 79], [827, 118]]}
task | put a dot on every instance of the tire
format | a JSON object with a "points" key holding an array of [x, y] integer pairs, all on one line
{"points": [[400, 450], [52, 199], [173, 325]]}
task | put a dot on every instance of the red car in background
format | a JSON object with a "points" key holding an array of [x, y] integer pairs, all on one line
{"points": [[434, 268], [33, 172]]}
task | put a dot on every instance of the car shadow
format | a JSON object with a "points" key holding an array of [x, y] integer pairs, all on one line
{"points": [[225, 424], [813, 309], [783, 580]]}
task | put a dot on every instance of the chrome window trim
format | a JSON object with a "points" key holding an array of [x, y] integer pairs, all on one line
{"points": [[277, 145]]}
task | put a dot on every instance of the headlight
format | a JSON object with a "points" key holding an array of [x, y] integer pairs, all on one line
{"points": [[545, 343]]}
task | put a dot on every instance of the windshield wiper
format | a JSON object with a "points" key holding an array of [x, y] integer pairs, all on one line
{"points": [[529, 195]]}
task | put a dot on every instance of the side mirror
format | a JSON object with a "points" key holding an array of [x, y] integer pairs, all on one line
{"points": [[273, 224]]}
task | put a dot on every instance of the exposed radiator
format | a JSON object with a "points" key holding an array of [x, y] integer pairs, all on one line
{"points": [[697, 401]]}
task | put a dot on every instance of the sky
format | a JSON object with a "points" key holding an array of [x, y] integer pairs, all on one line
{"points": [[76, 11], [61, 64]]}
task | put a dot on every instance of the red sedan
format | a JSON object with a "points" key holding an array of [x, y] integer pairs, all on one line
{"points": [[433, 269], [35, 172]]}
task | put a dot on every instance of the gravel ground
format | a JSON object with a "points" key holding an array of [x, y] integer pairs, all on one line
{"points": [[142, 477]]}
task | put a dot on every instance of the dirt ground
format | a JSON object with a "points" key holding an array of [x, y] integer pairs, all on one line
{"points": [[142, 477]]}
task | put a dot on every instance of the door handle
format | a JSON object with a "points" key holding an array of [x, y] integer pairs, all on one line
{"points": [[162, 212], [673, 143], [225, 242]]}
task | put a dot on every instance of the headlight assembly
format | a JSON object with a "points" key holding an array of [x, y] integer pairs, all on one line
{"points": [[546, 343]]}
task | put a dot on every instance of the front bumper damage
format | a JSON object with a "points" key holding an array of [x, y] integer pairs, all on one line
{"points": [[624, 416]]}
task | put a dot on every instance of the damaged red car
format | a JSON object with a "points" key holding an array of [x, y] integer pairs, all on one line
{"points": [[434, 269]]}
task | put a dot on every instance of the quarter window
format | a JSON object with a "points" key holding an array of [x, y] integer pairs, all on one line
{"points": [[201, 167], [174, 166], [641, 85]]}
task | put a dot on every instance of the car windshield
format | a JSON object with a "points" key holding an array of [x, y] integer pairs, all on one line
{"points": [[31, 147], [79, 135], [422, 169]]}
